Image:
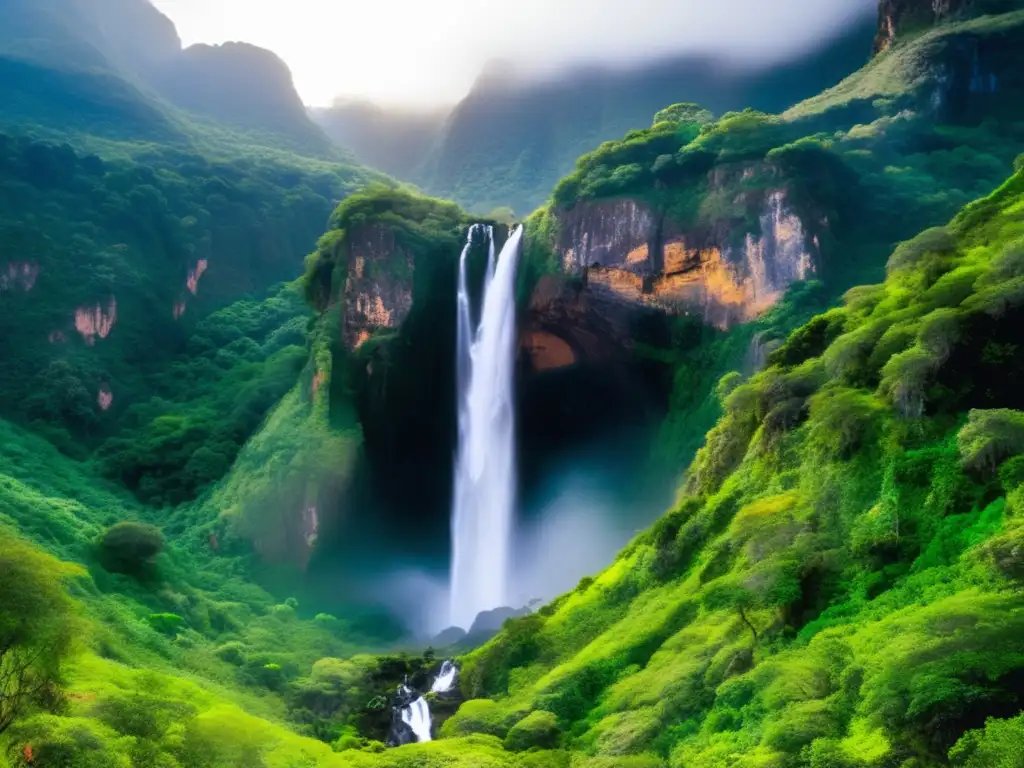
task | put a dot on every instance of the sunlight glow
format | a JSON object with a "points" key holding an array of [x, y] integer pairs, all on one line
{"points": [[430, 51]]}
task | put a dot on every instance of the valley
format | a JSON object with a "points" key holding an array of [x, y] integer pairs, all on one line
{"points": [[686, 434]]}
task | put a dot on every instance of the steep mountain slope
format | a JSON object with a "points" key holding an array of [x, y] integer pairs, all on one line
{"points": [[839, 582], [57, 76], [88, 66], [712, 222], [135, 222], [509, 141], [247, 87], [153, 246]]}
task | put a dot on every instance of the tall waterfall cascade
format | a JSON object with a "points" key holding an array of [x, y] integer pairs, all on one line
{"points": [[485, 470]]}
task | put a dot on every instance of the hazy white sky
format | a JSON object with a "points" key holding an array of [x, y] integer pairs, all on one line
{"points": [[430, 51]]}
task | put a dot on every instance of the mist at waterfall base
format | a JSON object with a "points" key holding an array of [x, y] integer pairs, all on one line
{"points": [[574, 526]]}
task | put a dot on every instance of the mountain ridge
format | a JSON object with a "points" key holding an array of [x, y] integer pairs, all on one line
{"points": [[521, 137]]}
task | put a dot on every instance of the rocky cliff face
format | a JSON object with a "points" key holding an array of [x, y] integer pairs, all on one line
{"points": [[378, 289], [568, 321], [896, 17], [624, 251]]}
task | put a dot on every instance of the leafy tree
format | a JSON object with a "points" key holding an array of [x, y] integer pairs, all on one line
{"points": [[989, 437], [68, 742], [684, 113], [1000, 744], [36, 628], [129, 548]]}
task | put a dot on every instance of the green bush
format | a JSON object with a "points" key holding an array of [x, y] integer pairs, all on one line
{"points": [[937, 240], [1000, 744], [232, 653], [537, 729], [130, 548], [684, 113], [841, 420], [166, 623], [990, 437], [146, 716], [905, 379], [478, 716], [67, 742]]}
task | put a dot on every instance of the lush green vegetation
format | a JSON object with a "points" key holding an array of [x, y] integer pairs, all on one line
{"points": [[202, 407], [838, 584], [128, 351]]}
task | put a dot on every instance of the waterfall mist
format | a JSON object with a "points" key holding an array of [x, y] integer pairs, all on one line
{"points": [[576, 532], [485, 473]]}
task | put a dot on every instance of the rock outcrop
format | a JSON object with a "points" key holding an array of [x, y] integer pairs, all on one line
{"points": [[623, 252], [896, 17], [570, 320], [378, 289], [96, 321]]}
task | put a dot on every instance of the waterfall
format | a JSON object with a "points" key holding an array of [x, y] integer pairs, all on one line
{"points": [[445, 678], [411, 720], [484, 492], [416, 714]]}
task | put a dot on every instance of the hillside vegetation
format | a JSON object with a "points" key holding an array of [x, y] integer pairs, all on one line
{"points": [[194, 444], [837, 585], [898, 147]]}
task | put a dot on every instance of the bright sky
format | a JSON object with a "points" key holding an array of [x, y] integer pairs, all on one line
{"points": [[430, 51]]}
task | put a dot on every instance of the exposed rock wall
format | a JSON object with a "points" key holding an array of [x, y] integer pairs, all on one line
{"points": [[378, 289], [569, 321], [96, 321], [610, 233], [898, 17], [624, 252]]}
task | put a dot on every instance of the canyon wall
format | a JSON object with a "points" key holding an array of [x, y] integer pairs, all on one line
{"points": [[378, 286], [622, 256]]}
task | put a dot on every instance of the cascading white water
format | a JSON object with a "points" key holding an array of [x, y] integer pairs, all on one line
{"points": [[417, 716], [485, 479], [445, 678], [413, 708]]}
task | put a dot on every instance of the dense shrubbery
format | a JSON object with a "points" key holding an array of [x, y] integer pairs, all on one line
{"points": [[146, 238], [237, 365], [129, 548]]}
